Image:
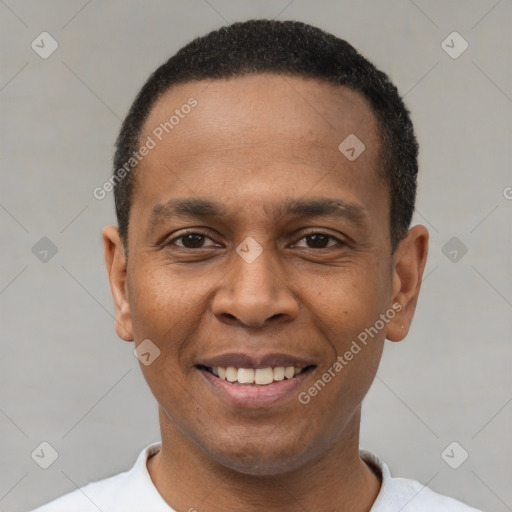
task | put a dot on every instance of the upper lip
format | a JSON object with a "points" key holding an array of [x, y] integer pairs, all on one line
{"points": [[240, 360]]}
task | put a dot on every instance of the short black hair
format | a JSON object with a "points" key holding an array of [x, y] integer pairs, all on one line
{"points": [[290, 48]]}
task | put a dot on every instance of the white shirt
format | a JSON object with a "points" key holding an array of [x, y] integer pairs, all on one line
{"points": [[134, 491]]}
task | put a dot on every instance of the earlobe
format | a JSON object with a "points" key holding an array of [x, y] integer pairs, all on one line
{"points": [[408, 265], [116, 268]]}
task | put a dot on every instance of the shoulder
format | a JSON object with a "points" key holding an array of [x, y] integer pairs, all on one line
{"points": [[132, 490], [416, 497], [408, 495], [92, 497]]}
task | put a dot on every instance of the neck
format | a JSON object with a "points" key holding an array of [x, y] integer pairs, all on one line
{"points": [[189, 479]]}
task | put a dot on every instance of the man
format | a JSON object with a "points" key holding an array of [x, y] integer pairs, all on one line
{"points": [[265, 180]]}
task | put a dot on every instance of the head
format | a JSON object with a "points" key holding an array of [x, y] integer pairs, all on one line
{"points": [[251, 235]]}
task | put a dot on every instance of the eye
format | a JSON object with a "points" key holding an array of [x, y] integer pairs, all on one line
{"points": [[319, 240], [191, 240], [196, 240]]}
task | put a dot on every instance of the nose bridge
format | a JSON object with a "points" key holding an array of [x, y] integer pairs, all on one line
{"points": [[254, 273], [253, 290]]}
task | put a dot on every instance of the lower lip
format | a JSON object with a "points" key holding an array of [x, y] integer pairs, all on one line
{"points": [[256, 396]]}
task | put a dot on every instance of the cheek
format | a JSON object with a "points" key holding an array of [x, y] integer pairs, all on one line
{"points": [[168, 308], [160, 300], [348, 305], [348, 312]]}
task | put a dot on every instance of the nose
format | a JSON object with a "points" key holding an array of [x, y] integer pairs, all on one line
{"points": [[255, 294]]}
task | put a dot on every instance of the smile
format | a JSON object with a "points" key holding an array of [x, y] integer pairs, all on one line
{"points": [[255, 376], [249, 388]]}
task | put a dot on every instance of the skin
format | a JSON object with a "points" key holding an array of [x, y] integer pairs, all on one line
{"points": [[251, 143]]}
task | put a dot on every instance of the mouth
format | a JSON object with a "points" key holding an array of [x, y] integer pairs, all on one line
{"points": [[255, 376], [251, 383]]}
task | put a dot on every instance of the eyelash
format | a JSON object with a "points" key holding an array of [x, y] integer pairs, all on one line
{"points": [[195, 232]]}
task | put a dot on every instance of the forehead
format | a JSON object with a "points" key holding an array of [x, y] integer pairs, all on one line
{"points": [[257, 135], [256, 108]]}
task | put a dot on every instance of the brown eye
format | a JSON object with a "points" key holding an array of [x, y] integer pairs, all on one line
{"points": [[191, 240], [319, 241]]}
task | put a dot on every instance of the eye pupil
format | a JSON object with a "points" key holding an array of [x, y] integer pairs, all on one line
{"points": [[195, 240], [318, 240]]}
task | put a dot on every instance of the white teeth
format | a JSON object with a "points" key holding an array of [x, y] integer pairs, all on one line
{"points": [[279, 373], [259, 376], [263, 376], [245, 375], [289, 372], [231, 374]]}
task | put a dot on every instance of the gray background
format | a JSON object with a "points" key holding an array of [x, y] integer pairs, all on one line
{"points": [[66, 379]]}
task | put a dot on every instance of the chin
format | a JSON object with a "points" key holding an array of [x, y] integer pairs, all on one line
{"points": [[260, 457]]}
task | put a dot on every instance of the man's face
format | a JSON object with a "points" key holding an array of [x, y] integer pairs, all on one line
{"points": [[258, 148]]}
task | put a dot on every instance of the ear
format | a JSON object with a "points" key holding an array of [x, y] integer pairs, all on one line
{"points": [[116, 268], [408, 266]]}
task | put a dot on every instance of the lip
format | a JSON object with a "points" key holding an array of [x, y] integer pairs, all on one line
{"points": [[239, 360], [254, 396]]}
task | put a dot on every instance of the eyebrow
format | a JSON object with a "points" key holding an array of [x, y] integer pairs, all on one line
{"points": [[314, 207]]}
